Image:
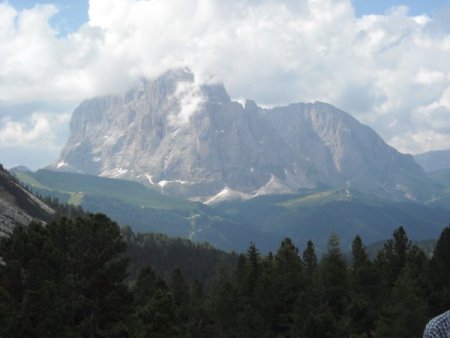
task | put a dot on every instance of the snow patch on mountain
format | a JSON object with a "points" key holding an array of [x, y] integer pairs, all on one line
{"points": [[61, 165], [275, 186], [114, 173], [164, 183], [227, 194]]}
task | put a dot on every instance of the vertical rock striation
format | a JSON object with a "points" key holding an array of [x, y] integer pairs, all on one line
{"points": [[192, 140]]}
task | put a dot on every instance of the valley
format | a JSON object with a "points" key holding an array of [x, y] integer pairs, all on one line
{"points": [[232, 225]]}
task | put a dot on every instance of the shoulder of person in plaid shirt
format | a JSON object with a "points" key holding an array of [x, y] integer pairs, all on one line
{"points": [[438, 327]]}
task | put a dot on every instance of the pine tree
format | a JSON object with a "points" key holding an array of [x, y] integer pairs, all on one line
{"points": [[252, 273], [287, 287], [404, 313], [198, 317], [100, 265], [34, 283], [439, 274], [154, 308], [180, 293], [224, 303], [392, 259], [334, 279], [363, 291], [310, 259], [308, 311], [250, 321]]}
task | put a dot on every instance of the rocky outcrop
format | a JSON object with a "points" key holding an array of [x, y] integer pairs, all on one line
{"points": [[18, 206], [192, 140]]}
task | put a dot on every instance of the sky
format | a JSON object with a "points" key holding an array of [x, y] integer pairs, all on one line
{"points": [[387, 63]]}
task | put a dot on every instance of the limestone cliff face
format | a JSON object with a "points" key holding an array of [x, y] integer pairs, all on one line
{"points": [[192, 140]]}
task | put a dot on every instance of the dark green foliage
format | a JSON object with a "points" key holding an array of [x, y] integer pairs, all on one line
{"points": [[171, 222], [403, 305], [65, 279], [68, 279], [310, 258], [335, 289], [63, 209], [439, 274], [364, 284], [392, 259], [287, 287], [223, 302], [252, 272], [334, 277], [164, 254], [154, 307], [198, 320], [404, 313], [247, 278]]}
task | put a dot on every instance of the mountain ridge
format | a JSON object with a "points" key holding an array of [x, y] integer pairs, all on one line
{"points": [[191, 140], [433, 161]]}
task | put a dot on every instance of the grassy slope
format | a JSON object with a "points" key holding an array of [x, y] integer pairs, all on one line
{"points": [[78, 185]]}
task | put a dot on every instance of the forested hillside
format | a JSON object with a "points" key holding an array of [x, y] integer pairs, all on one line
{"points": [[164, 253], [69, 278], [196, 261]]}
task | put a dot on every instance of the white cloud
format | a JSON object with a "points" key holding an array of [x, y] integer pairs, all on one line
{"points": [[390, 71], [39, 130], [188, 96], [34, 140], [429, 77]]}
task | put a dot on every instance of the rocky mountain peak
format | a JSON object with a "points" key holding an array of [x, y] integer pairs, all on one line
{"points": [[192, 140]]}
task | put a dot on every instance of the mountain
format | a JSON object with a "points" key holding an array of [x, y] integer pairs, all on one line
{"points": [[191, 140], [434, 160], [17, 205], [20, 168]]}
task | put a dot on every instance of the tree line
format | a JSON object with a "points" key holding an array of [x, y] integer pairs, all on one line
{"points": [[70, 278]]}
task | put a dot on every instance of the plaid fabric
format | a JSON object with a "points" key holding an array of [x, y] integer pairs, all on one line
{"points": [[438, 327]]}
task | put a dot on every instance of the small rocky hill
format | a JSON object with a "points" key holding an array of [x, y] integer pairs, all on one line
{"points": [[17, 205]]}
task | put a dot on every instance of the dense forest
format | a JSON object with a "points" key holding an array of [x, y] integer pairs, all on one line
{"points": [[71, 278]]}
